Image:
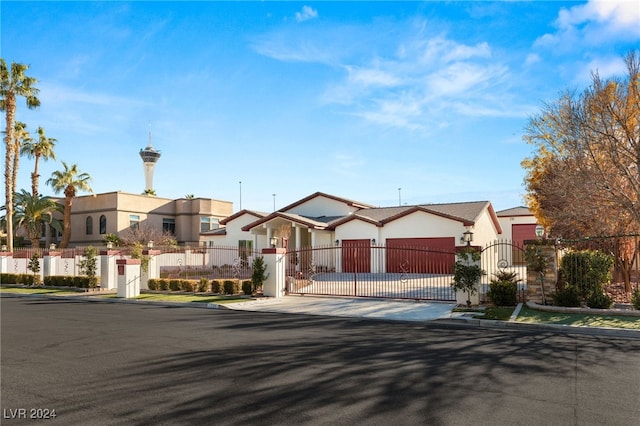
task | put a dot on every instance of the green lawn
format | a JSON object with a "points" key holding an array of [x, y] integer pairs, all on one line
{"points": [[590, 320], [35, 290]]}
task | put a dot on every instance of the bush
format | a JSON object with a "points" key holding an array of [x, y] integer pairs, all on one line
{"points": [[152, 284], [586, 270], [9, 279], [187, 285], [599, 300], [231, 287], [635, 298], [163, 284], [203, 285], [217, 287], [503, 293], [568, 296], [175, 285], [247, 287]]}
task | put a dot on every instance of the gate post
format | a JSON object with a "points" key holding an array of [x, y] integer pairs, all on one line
{"points": [[128, 277], [274, 259], [5, 257], [108, 279]]}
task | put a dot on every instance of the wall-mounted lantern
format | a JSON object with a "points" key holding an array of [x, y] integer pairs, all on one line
{"points": [[373, 241], [337, 243], [467, 237], [273, 241]]}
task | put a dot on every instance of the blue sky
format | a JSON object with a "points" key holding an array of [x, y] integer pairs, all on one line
{"points": [[356, 99]]}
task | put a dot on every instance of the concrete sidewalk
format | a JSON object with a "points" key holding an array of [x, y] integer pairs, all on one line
{"points": [[397, 310]]}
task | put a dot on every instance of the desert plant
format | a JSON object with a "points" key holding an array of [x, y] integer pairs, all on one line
{"points": [[203, 285], [467, 273]]}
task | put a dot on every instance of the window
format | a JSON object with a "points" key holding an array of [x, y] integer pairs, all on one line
{"points": [[103, 224], [89, 225], [134, 221], [209, 223], [169, 226]]}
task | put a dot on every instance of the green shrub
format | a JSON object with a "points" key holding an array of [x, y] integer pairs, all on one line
{"points": [[586, 270], [599, 300], [203, 285], [93, 281], [568, 296], [187, 285], [635, 298], [247, 287], [163, 284], [9, 278], [175, 285], [231, 287], [217, 287], [503, 293], [152, 284]]}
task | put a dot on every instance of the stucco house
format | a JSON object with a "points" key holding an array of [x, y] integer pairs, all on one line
{"points": [[324, 219], [94, 216]]}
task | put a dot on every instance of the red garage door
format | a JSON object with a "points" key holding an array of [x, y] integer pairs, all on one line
{"points": [[519, 234], [421, 255], [356, 256]]}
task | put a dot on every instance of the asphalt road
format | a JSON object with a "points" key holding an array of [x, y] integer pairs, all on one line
{"points": [[99, 363]]}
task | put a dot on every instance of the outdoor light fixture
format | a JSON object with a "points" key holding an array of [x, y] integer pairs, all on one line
{"points": [[3, 248], [467, 237], [337, 243], [150, 244], [52, 246], [373, 241], [274, 242], [539, 231], [109, 245]]}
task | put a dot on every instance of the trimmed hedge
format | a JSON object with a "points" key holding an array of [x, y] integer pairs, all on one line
{"points": [[503, 293], [25, 279], [71, 281], [231, 286], [217, 287]]}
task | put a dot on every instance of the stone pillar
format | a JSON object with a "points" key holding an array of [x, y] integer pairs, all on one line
{"points": [[153, 269], [274, 259], [541, 284], [50, 263], [108, 270], [5, 261], [128, 277]]}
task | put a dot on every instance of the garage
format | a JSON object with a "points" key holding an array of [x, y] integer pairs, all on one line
{"points": [[356, 256], [421, 255]]}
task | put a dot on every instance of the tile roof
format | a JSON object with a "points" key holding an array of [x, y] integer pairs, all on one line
{"points": [[515, 211]]}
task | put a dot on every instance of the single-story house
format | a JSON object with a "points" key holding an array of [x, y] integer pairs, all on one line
{"points": [[322, 219]]}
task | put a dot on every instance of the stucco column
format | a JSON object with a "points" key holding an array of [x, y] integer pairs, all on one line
{"points": [[108, 271], [274, 259], [50, 263], [128, 277], [5, 261], [153, 269]]}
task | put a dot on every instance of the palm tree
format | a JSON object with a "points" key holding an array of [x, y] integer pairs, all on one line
{"points": [[42, 148], [21, 136], [68, 181], [32, 211], [13, 83]]}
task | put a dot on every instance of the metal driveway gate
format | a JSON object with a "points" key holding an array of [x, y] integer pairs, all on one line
{"points": [[362, 269]]}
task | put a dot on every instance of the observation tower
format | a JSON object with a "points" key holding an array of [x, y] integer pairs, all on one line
{"points": [[149, 159]]}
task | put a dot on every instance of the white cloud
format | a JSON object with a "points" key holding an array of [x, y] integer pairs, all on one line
{"points": [[307, 13], [594, 23]]}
